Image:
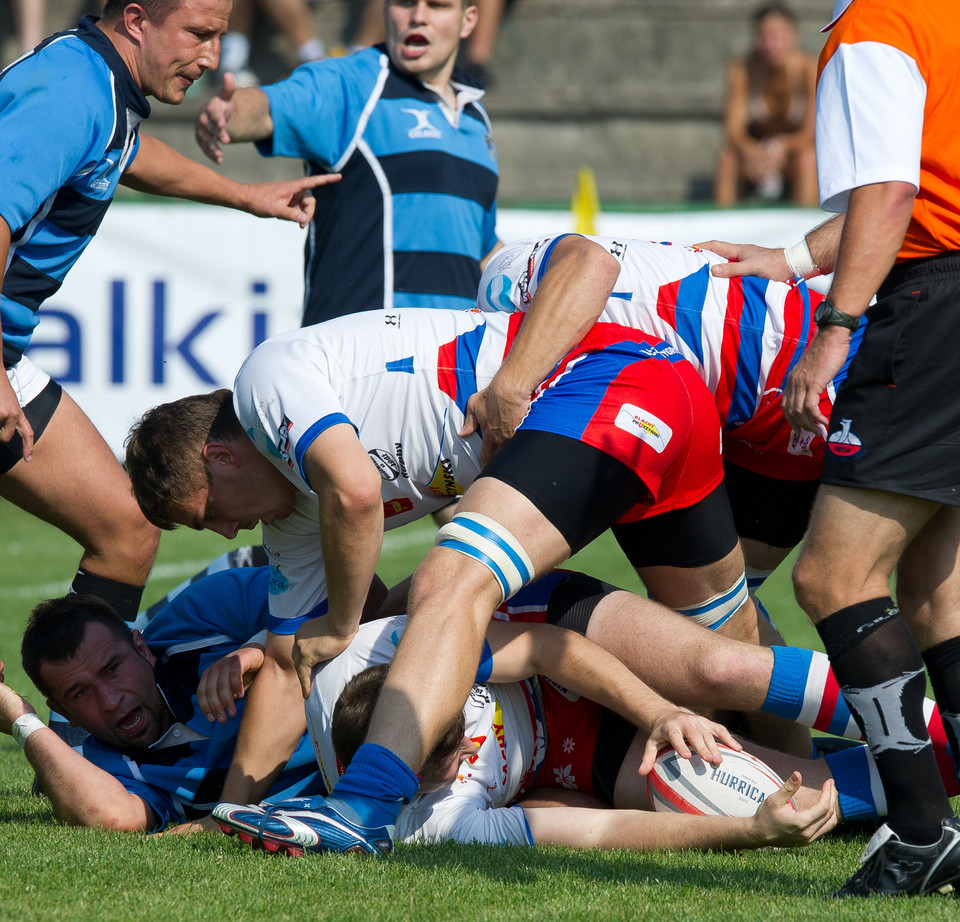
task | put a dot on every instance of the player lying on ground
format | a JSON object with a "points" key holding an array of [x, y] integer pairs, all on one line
{"points": [[218, 606], [152, 757], [522, 731]]}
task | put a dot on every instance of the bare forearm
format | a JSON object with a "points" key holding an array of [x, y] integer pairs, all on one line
{"points": [[569, 300], [80, 793], [638, 830], [273, 722], [873, 233], [160, 170]]}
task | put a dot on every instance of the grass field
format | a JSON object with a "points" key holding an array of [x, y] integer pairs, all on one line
{"points": [[48, 872]]}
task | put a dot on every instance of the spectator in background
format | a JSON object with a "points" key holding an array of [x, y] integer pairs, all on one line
{"points": [[292, 17], [769, 116], [415, 218]]}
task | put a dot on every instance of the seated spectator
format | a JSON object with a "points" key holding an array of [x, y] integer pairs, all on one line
{"points": [[768, 117]]}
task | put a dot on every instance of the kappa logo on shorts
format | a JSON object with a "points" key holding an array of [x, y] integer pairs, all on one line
{"points": [[645, 426], [844, 444]]}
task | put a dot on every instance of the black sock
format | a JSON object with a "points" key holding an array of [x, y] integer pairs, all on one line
{"points": [[943, 664], [122, 597], [880, 672]]}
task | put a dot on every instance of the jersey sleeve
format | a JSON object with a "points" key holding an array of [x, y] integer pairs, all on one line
{"points": [[283, 413], [510, 279], [870, 106], [125, 771], [34, 109], [462, 814], [317, 109], [228, 607]]}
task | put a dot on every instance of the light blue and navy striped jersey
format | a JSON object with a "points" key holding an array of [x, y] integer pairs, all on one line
{"points": [[181, 775], [69, 115], [415, 211]]}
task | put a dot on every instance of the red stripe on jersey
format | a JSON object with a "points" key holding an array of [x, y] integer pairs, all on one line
{"points": [[667, 296], [447, 369], [729, 348], [794, 311]]}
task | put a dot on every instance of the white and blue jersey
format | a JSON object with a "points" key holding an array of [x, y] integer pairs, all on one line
{"points": [[69, 116], [415, 211], [181, 775], [402, 381]]}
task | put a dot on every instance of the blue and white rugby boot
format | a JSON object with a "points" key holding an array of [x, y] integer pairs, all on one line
{"points": [[303, 824]]}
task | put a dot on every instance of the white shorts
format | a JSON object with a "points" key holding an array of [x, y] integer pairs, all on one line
{"points": [[27, 380]]}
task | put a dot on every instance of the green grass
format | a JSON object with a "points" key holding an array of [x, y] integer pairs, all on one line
{"points": [[48, 872]]}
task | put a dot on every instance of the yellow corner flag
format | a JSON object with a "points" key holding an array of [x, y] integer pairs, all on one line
{"points": [[585, 204]]}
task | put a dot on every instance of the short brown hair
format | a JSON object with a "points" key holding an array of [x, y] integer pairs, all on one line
{"points": [[354, 708], [157, 10], [165, 451], [56, 630]]}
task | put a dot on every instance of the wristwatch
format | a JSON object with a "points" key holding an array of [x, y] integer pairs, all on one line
{"points": [[826, 315]]}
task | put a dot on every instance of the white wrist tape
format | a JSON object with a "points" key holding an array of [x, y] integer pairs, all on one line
{"points": [[800, 260], [23, 726]]}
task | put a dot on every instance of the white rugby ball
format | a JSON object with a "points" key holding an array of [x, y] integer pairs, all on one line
{"points": [[735, 787]]}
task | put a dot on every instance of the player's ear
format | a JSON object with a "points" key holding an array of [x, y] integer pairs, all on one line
{"points": [[141, 647], [134, 17], [220, 453], [469, 22]]}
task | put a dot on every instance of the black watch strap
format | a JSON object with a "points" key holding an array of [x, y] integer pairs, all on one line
{"points": [[826, 315]]}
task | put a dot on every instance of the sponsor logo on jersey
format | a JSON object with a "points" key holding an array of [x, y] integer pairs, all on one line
{"points": [[444, 483], [527, 275], [397, 506], [391, 320], [283, 445], [844, 444], [278, 583], [491, 148], [617, 249], [386, 463], [645, 426], [398, 448], [423, 128]]}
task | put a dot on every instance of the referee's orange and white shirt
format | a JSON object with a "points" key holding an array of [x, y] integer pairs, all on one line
{"points": [[888, 110]]}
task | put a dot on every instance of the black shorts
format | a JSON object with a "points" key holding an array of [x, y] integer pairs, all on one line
{"points": [[766, 509], [582, 491], [895, 425], [39, 412], [696, 536]]}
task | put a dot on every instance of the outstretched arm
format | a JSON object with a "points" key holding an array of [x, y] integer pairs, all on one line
{"points": [[233, 115], [775, 823], [524, 650], [772, 263], [160, 170], [572, 295], [80, 793]]}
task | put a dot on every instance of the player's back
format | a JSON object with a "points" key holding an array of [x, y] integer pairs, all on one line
{"points": [[742, 335]]}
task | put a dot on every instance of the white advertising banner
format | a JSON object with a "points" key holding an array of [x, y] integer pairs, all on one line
{"points": [[169, 299]]}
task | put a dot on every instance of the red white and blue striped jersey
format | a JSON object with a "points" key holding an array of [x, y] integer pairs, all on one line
{"points": [[743, 335]]}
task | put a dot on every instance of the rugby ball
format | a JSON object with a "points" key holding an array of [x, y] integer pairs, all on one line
{"points": [[735, 787]]}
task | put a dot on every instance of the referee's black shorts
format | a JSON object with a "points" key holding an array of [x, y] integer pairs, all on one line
{"points": [[895, 424]]}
